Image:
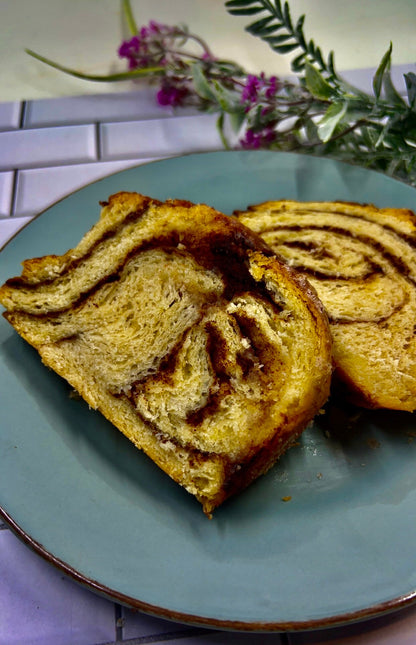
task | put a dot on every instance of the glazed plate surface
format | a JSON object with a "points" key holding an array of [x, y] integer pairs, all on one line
{"points": [[340, 548]]}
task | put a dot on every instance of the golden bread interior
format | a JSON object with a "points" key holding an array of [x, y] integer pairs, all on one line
{"points": [[362, 262], [182, 328]]}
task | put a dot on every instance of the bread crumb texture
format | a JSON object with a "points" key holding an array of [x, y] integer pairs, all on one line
{"points": [[182, 327], [362, 262]]}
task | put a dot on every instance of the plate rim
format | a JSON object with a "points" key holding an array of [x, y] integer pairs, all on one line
{"points": [[372, 611], [205, 153]]}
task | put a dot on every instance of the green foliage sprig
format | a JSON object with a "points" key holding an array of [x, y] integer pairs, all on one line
{"points": [[376, 131], [320, 113]]}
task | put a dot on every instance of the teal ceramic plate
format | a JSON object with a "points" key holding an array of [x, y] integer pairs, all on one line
{"points": [[77, 491]]}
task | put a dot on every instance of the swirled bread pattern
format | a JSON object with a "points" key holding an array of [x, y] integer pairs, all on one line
{"points": [[184, 330], [362, 262]]}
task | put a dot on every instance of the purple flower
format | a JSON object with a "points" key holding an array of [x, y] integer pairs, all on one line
{"points": [[273, 87], [158, 27], [129, 47], [258, 86], [208, 57], [132, 50], [254, 140], [250, 90], [172, 95], [146, 48], [251, 139]]}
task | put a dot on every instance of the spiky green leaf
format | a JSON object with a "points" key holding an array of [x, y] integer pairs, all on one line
{"points": [[285, 49], [261, 26], [381, 69], [276, 40], [243, 8]]}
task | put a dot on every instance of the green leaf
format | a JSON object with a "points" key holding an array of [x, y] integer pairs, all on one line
{"points": [[316, 84], [238, 3], [299, 32], [285, 49], [410, 79], [379, 75], [390, 92], [311, 130], [212, 90], [298, 63], [386, 131], [226, 98], [276, 40], [248, 11], [287, 17], [277, 9], [261, 26], [201, 83], [105, 78], [319, 58], [237, 119], [220, 128], [332, 117], [331, 63]]}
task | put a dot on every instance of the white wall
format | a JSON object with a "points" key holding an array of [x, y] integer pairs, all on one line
{"points": [[86, 34]]}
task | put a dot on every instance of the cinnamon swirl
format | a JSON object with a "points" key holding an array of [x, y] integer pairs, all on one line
{"points": [[362, 262], [181, 326]]}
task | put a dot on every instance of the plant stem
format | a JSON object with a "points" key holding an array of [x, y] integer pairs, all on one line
{"points": [[128, 14], [119, 76]]}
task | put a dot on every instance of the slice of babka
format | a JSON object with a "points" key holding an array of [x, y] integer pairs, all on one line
{"points": [[181, 326], [362, 262]]}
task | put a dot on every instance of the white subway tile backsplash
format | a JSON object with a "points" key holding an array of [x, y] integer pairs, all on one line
{"points": [[125, 106], [138, 625], [46, 146], [398, 628], [89, 109], [6, 193], [363, 78], [159, 137], [10, 115], [62, 145], [9, 226], [52, 610], [38, 188]]}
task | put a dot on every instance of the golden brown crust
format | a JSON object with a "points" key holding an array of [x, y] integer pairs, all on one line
{"points": [[362, 261], [180, 325]]}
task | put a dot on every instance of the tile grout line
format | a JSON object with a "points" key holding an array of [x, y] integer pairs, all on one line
{"points": [[22, 119], [194, 632], [119, 622], [98, 146], [13, 199]]}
